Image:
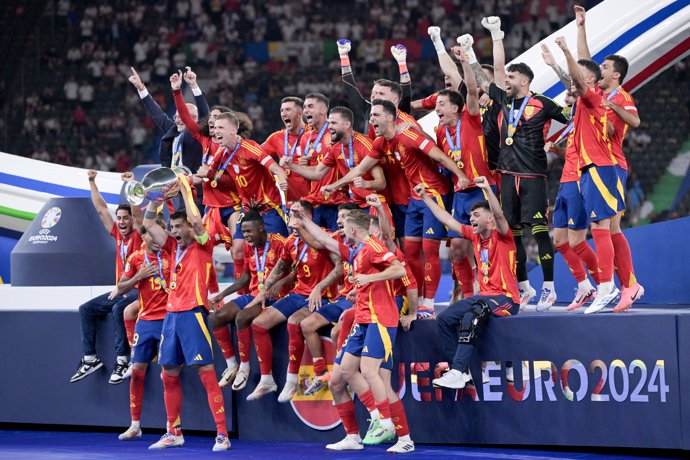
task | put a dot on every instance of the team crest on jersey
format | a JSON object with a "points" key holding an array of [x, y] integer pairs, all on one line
{"points": [[529, 111], [271, 255], [236, 168], [314, 252], [243, 162], [126, 267]]}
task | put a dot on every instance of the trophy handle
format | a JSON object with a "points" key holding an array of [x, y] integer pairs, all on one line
{"points": [[134, 192]]}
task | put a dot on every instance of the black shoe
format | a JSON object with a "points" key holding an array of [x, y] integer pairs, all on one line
{"points": [[119, 372], [85, 368]]}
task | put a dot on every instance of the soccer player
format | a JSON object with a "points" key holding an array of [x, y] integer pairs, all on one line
{"points": [[149, 271], [419, 159], [599, 182], [524, 116], [621, 112], [262, 251], [127, 241], [284, 144], [185, 337], [317, 276], [314, 147], [494, 248]]}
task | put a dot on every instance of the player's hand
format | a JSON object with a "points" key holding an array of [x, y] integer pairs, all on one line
{"points": [[434, 32], [562, 44], [315, 299], [216, 300], [547, 56], [190, 77], [459, 53], [402, 127], [274, 291], [113, 294], [344, 46], [399, 52], [608, 104], [127, 176], [176, 80], [482, 183], [295, 222], [463, 181], [147, 271], [420, 190], [203, 171], [92, 173], [579, 15], [406, 321], [358, 182], [327, 190], [465, 41], [303, 160], [484, 100], [351, 296], [282, 182], [362, 280], [374, 200], [549, 147], [493, 25], [285, 162], [135, 80]]}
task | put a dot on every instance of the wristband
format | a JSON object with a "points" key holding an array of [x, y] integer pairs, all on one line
{"points": [[497, 35], [403, 67], [471, 57], [344, 60], [151, 215]]}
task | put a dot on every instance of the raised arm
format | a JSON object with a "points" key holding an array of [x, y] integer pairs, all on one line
{"points": [[573, 68], [358, 103], [158, 233], [199, 98], [471, 82], [399, 53], [385, 225], [448, 67], [499, 219], [191, 209], [582, 47], [307, 226], [308, 172], [551, 62], [162, 120], [493, 25], [99, 203], [440, 213], [181, 106]]}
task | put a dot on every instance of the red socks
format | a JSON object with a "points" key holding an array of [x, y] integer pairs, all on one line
{"points": [[264, 348], [215, 399], [462, 269], [399, 418], [136, 393], [384, 408], [573, 261], [413, 255], [586, 254], [295, 347], [346, 326], [623, 260], [432, 267], [172, 394], [239, 269], [320, 366], [367, 398], [602, 240], [244, 343], [224, 340], [346, 412], [129, 329]]}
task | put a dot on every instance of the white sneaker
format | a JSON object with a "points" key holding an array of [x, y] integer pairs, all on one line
{"points": [[289, 390], [222, 443], [453, 379], [128, 372], [228, 376], [130, 434], [349, 442], [241, 379], [582, 296], [168, 440], [602, 301], [401, 447], [119, 372], [547, 299], [526, 297], [261, 390]]}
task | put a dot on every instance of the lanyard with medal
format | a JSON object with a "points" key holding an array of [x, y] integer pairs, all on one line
{"points": [[484, 256], [177, 152], [178, 259], [568, 129], [160, 279], [123, 250], [301, 255], [514, 120], [261, 263], [221, 170], [455, 148], [612, 94], [349, 160], [353, 254], [286, 144], [317, 142]]}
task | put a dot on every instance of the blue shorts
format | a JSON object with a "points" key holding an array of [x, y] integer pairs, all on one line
{"points": [[273, 223], [244, 300], [147, 337], [622, 187], [421, 222], [326, 216], [399, 212], [291, 303], [599, 187], [225, 213], [185, 339], [367, 340], [332, 311], [401, 302], [569, 211], [462, 206]]}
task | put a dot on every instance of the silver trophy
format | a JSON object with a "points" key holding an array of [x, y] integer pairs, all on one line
{"points": [[157, 185]]}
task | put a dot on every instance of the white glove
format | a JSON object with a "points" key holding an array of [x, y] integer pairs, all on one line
{"points": [[493, 25], [399, 52], [466, 41], [344, 46], [435, 34]]}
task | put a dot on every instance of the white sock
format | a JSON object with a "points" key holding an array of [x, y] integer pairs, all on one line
{"points": [[387, 423], [244, 366], [375, 414], [548, 285], [524, 285], [135, 424], [291, 378], [268, 378], [405, 438], [585, 285], [606, 288], [122, 359], [231, 362], [428, 303], [89, 357], [355, 437], [420, 301]]}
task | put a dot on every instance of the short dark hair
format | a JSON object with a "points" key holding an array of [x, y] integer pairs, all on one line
{"points": [[388, 106], [620, 65], [454, 97], [521, 68], [481, 204], [307, 207], [252, 215], [349, 206], [179, 215], [344, 112], [229, 116], [244, 129], [222, 108], [318, 96], [359, 219], [592, 66], [124, 207], [297, 100], [395, 87]]}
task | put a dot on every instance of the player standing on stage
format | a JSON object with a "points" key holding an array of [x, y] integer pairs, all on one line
{"points": [[185, 337]]}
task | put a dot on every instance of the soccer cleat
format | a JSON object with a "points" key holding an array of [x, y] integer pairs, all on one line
{"points": [[582, 296], [401, 447], [222, 443], [289, 390], [168, 440], [228, 376], [425, 312], [453, 379], [602, 301], [130, 434], [118, 373], [526, 297], [546, 300], [349, 442], [128, 372], [86, 368], [378, 433], [261, 390], [317, 384], [628, 297], [241, 379]]}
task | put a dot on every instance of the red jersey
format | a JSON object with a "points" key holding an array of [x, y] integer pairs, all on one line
{"points": [[571, 168], [312, 266], [316, 146], [266, 261], [375, 301], [278, 147], [402, 117], [124, 248], [591, 126], [412, 150], [153, 295], [497, 264], [623, 99], [429, 102], [347, 282], [193, 275], [408, 281], [472, 149]]}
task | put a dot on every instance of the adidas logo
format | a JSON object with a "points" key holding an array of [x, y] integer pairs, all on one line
{"points": [[538, 216], [365, 349], [430, 231], [293, 358], [592, 215], [198, 358], [547, 257], [570, 222], [221, 410]]}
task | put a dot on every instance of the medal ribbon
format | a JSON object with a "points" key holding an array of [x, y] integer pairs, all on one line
{"points": [[514, 120], [302, 253], [178, 259], [221, 170], [177, 152], [355, 251], [455, 149], [569, 128], [294, 147], [317, 142], [261, 263], [160, 279], [349, 160]]}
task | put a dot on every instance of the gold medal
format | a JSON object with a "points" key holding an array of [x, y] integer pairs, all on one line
{"points": [[214, 183], [486, 279], [460, 164], [173, 285], [509, 141], [261, 286]]}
